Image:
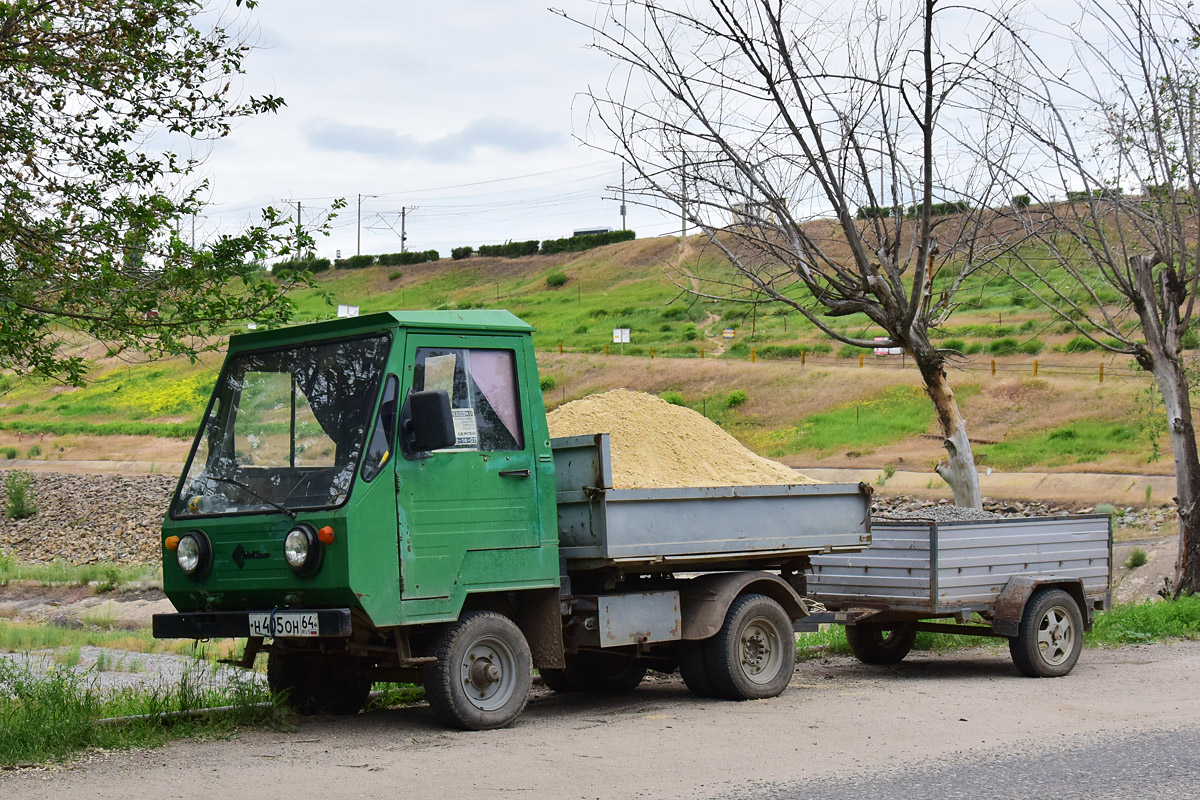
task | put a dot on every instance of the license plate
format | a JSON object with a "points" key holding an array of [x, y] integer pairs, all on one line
{"points": [[285, 623]]}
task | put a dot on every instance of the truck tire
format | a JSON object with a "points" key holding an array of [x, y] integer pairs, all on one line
{"points": [[590, 671], [556, 680], [754, 654], [881, 643], [1050, 635], [693, 667], [482, 674], [318, 685]]}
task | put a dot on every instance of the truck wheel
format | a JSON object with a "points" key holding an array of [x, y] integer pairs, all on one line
{"points": [[287, 676], [604, 672], [556, 680], [754, 654], [319, 685], [694, 669], [1050, 636], [881, 643], [482, 674]]}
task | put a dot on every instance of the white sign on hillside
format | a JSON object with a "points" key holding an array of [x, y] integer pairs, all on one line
{"points": [[347, 311], [620, 335]]}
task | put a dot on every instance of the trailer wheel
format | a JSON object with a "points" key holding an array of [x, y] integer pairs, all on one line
{"points": [[604, 672], [754, 654], [318, 685], [1050, 636], [482, 674], [881, 643], [693, 667]]}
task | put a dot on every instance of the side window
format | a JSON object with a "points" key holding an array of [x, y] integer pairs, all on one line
{"points": [[482, 385], [383, 436]]}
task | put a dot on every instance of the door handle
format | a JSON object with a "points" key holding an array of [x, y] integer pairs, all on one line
{"points": [[515, 473]]}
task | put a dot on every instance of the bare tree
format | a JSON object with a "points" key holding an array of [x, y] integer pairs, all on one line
{"points": [[815, 156], [1114, 129]]}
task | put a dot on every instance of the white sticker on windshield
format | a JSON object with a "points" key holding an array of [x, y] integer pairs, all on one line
{"points": [[466, 432], [439, 373]]}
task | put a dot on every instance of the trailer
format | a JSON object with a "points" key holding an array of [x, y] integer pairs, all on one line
{"points": [[1035, 581]]}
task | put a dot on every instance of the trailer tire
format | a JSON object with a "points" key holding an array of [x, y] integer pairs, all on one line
{"points": [[1050, 637], [318, 684], [482, 673], [693, 667], [754, 654], [881, 644]]}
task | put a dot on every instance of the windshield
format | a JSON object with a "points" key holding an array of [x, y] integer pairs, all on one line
{"points": [[285, 429]]}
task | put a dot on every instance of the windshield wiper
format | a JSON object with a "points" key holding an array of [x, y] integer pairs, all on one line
{"points": [[240, 485]]}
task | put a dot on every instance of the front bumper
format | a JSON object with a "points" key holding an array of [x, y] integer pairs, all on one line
{"points": [[332, 622]]}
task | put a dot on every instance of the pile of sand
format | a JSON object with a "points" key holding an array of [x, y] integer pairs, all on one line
{"points": [[656, 444]]}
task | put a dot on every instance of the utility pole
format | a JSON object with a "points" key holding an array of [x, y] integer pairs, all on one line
{"points": [[297, 229], [683, 203], [358, 247], [403, 235], [623, 198]]}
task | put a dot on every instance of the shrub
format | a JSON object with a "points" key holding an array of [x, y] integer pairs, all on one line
{"points": [[1021, 201], [459, 253], [574, 244], [18, 496], [849, 351], [581, 329], [407, 258], [674, 398], [954, 344], [1032, 347], [973, 348], [1191, 339], [34, 451], [510, 249], [287, 269], [547, 382], [873, 212], [395, 276], [556, 279], [10, 453], [690, 333], [282, 274], [735, 398], [665, 327], [1080, 344], [1137, 558]]}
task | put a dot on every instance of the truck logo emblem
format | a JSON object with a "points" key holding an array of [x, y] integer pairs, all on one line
{"points": [[241, 555]]}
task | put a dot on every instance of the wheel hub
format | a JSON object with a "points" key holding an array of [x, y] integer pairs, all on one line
{"points": [[755, 652], [1056, 637]]}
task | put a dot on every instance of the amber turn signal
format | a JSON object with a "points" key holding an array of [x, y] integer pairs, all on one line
{"points": [[325, 535], [171, 542]]}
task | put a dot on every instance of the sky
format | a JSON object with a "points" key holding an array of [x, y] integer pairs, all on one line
{"points": [[464, 113]]}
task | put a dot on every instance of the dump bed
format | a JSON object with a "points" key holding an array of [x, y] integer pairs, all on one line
{"points": [[699, 527], [942, 568]]}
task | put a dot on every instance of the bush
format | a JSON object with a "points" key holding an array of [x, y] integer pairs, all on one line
{"points": [[954, 344], [10, 453], [873, 212], [1032, 347], [547, 382], [1137, 558], [1191, 339], [1021, 201], [408, 258], [510, 249], [556, 279], [287, 269], [674, 312], [849, 351], [395, 276], [18, 496], [735, 398], [973, 348], [1004, 347], [674, 398], [791, 350], [1080, 344], [575, 244], [690, 332], [34, 451], [459, 253], [581, 329]]}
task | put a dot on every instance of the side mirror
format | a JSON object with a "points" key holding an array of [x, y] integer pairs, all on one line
{"points": [[429, 423]]}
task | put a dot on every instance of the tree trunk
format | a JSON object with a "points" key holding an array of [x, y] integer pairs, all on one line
{"points": [[1172, 383], [958, 470]]}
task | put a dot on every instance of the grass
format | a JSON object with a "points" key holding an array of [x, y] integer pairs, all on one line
{"points": [[1079, 442], [887, 417], [24, 637], [62, 573], [53, 716]]}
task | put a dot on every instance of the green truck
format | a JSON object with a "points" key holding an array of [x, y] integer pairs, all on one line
{"points": [[378, 498]]}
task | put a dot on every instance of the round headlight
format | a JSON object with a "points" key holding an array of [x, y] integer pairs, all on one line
{"points": [[296, 547], [302, 550], [193, 554]]}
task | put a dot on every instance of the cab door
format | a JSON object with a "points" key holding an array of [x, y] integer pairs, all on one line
{"points": [[468, 512]]}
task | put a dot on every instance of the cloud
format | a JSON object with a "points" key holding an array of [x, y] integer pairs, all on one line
{"points": [[492, 132]]}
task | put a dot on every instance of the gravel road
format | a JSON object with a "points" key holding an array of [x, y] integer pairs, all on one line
{"points": [[957, 725]]}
